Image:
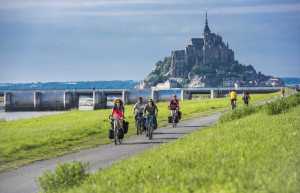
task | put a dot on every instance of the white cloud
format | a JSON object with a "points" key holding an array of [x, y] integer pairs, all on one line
{"points": [[23, 4], [63, 10], [274, 8], [271, 8]]}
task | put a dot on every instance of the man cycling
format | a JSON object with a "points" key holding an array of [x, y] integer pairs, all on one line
{"points": [[138, 110], [174, 105], [246, 98], [282, 92], [233, 98], [151, 109]]}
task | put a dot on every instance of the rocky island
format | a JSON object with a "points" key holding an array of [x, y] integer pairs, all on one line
{"points": [[206, 62]]}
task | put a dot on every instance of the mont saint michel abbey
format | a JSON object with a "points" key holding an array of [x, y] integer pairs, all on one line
{"points": [[207, 50], [206, 62]]}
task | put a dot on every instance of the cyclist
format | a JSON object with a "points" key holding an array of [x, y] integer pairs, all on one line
{"points": [[151, 109], [246, 98], [174, 105], [282, 92], [138, 110], [233, 98], [118, 112]]}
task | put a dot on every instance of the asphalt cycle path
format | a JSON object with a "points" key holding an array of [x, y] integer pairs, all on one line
{"points": [[24, 179]]}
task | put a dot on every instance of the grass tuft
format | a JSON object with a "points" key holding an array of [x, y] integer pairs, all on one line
{"points": [[275, 107], [64, 177], [238, 113], [282, 105]]}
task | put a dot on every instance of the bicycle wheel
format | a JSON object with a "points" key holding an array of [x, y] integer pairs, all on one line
{"points": [[142, 126], [234, 106], [174, 120], [150, 133], [147, 127], [151, 127], [119, 140], [116, 133], [137, 127]]}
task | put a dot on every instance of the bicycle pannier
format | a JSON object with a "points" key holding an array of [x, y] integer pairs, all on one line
{"points": [[110, 134]]}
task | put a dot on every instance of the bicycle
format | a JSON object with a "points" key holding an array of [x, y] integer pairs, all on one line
{"points": [[118, 132], [175, 118], [139, 123], [233, 104], [150, 126]]}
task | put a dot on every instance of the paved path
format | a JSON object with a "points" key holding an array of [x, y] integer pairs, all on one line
{"points": [[23, 180], [9, 116]]}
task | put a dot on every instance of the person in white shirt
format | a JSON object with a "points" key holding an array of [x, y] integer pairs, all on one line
{"points": [[138, 110]]}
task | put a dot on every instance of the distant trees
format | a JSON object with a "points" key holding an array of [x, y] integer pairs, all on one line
{"points": [[214, 73]]}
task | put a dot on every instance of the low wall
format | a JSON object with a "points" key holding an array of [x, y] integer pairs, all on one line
{"points": [[52, 100], [135, 94], [166, 95], [62, 100], [22, 101]]}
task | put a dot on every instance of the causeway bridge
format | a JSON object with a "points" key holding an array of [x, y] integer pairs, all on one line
{"points": [[42, 100]]}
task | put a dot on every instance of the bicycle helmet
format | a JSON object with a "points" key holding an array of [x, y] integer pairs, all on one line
{"points": [[117, 101]]}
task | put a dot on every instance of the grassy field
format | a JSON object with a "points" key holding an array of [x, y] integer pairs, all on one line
{"points": [[24, 141], [255, 154]]}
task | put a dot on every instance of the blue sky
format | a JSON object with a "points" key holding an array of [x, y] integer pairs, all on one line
{"points": [[60, 40]]}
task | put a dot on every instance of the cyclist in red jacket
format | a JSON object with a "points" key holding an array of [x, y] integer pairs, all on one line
{"points": [[118, 112], [174, 105]]}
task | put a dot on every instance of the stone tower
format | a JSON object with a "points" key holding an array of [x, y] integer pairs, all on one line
{"points": [[206, 28], [210, 49], [206, 34]]}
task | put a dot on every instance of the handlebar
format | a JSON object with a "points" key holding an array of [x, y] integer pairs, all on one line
{"points": [[111, 118]]}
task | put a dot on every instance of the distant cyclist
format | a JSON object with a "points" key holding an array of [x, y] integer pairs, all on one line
{"points": [[246, 98], [174, 105], [282, 92], [118, 112], [233, 98], [138, 110], [151, 109]]}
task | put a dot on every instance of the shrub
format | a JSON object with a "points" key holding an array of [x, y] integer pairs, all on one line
{"points": [[65, 176], [294, 100], [277, 107], [238, 113], [282, 105]]}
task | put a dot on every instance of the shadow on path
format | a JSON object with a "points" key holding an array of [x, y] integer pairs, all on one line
{"points": [[165, 138], [171, 133], [142, 142], [197, 126]]}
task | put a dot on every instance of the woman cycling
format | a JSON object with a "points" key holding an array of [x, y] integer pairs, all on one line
{"points": [[118, 113], [151, 109]]}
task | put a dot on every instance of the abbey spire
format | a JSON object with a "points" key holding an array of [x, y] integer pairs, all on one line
{"points": [[206, 28]]}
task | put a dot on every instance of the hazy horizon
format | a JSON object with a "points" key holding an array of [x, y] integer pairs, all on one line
{"points": [[76, 40]]}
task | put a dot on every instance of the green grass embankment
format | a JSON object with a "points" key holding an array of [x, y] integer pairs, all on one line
{"points": [[257, 153], [24, 141]]}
